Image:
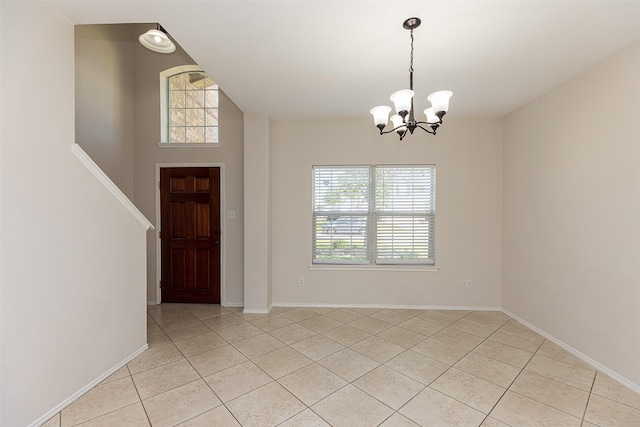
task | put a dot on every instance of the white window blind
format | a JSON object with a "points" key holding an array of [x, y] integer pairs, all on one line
{"points": [[341, 211], [374, 214], [405, 215]]}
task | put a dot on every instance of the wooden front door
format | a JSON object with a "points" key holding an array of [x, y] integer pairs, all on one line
{"points": [[190, 234]]}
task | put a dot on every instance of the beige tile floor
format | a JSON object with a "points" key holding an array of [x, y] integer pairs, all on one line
{"points": [[355, 367]]}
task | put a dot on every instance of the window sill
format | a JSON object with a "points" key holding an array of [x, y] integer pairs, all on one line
{"points": [[353, 267], [188, 145]]}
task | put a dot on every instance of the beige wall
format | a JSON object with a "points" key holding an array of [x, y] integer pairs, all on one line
{"points": [[104, 99], [73, 276], [147, 154], [546, 226], [468, 157], [118, 124], [258, 285], [1, 214], [572, 213]]}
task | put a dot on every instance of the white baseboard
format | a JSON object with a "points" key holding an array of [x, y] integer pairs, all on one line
{"points": [[233, 304], [387, 306], [151, 303], [86, 388], [257, 310], [576, 353]]}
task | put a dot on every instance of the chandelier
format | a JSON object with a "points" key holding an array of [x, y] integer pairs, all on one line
{"points": [[405, 120]]}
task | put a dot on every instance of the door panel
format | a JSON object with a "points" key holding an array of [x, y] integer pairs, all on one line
{"points": [[190, 234]]}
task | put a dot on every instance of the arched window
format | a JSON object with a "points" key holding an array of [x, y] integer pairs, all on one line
{"points": [[190, 106]]}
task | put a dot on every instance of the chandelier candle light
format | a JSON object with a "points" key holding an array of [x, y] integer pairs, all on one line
{"points": [[405, 120]]}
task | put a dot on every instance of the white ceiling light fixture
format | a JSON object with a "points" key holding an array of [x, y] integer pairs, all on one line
{"points": [[157, 40], [405, 120]]}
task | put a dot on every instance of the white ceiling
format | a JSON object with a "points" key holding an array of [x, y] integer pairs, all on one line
{"points": [[337, 59]]}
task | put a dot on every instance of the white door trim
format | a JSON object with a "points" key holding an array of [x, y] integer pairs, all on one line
{"points": [[223, 225]]}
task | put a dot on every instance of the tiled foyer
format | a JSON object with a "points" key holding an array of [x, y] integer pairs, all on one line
{"points": [[216, 366]]}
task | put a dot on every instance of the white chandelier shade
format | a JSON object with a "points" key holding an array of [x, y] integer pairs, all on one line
{"points": [[402, 100], [380, 114], [398, 123], [439, 103], [440, 100], [431, 116]]}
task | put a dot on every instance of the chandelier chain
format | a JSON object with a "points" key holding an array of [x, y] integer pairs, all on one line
{"points": [[411, 66]]}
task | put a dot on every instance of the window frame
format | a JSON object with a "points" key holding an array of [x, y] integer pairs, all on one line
{"points": [[164, 110], [373, 214]]}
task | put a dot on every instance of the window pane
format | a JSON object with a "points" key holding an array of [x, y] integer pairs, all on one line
{"points": [[177, 117], [405, 189], [211, 134], [404, 239], [195, 134], [195, 80], [177, 134], [341, 239], [195, 99], [177, 82], [176, 99], [211, 117], [195, 117], [211, 97], [199, 80], [341, 189]]}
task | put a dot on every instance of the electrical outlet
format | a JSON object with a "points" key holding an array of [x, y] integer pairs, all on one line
{"points": [[468, 283], [301, 281]]}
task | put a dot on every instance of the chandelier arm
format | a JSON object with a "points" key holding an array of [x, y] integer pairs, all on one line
{"points": [[432, 132], [390, 131], [429, 124]]}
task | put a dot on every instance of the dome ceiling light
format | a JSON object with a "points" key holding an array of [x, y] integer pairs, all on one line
{"points": [[157, 40]]}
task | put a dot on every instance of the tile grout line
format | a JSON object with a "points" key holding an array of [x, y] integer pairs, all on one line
{"points": [[452, 366], [316, 333], [190, 382], [276, 380], [273, 380], [348, 383], [584, 413], [410, 348], [512, 382], [383, 364], [561, 382], [146, 414], [222, 403], [466, 354]]}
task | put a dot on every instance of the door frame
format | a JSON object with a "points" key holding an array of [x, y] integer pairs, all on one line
{"points": [[223, 225]]}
